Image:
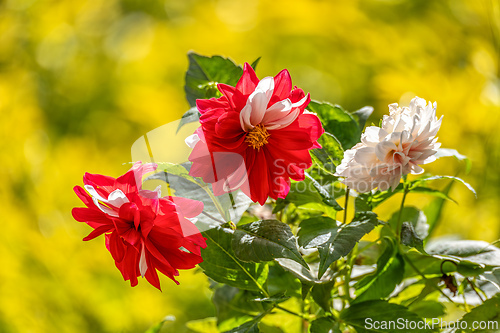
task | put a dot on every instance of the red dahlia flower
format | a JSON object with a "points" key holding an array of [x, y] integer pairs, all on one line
{"points": [[255, 137], [144, 231]]}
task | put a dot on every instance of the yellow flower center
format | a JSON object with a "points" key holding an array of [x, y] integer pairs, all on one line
{"points": [[257, 136]]}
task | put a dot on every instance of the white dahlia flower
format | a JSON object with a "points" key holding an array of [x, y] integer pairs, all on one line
{"points": [[406, 140]]}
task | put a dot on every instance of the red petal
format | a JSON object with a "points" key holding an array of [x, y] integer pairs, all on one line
{"points": [[210, 118], [90, 215], [131, 181], [102, 184], [234, 97], [152, 276], [228, 126], [301, 158], [98, 180], [132, 236], [159, 261], [312, 122], [97, 232], [282, 87], [296, 172], [116, 247], [188, 207], [121, 225], [189, 230], [129, 266], [258, 177], [296, 95], [84, 196], [230, 135], [204, 105], [291, 138], [248, 80], [283, 189]]}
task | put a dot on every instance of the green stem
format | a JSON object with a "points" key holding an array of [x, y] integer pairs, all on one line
{"points": [[346, 205], [279, 215], [422, 274], [369, 245], [347, 267], [303, 326], [301, 315], [400, 215], [474, 288], [215, 201], [348, 271], [212, 217]]}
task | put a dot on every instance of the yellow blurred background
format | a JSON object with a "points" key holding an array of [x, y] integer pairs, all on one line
{"points": [[80, 81]]}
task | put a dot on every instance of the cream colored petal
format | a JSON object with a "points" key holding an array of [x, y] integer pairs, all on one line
{"points": [[143, 265]]}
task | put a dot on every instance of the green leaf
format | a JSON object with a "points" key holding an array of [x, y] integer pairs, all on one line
{"points": [[424, 180], [157, 327], [390, 271], [182, 184], [431, 191], [278, 298], [248, 327], [306, 288], [413, 216], [428, 309], [370, 253], [338, 122], [446, 152], [344, 240], [369, 201], [204, 73], [269, 328], [206, 325], [410, 238], [306, 275], [235, 307], [468, 257], [172, 169], [487, 314], [479, 252], [322, 295], [265, 240], [324, 325], [190, 116], [381, 316], [362, 203], [316, 231], [255, 63], [434, 210], [493, 277], [310, 191], [326, 197], [429, 287], [221, 264], [431, 265], [302, 193], [362, 115], [279, 281], [329, 156]]}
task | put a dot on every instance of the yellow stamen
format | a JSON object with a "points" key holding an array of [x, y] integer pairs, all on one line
{"points": [[257, 136]]}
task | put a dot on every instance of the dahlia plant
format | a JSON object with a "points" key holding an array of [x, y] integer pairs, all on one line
{"points": [[276, 205]]}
